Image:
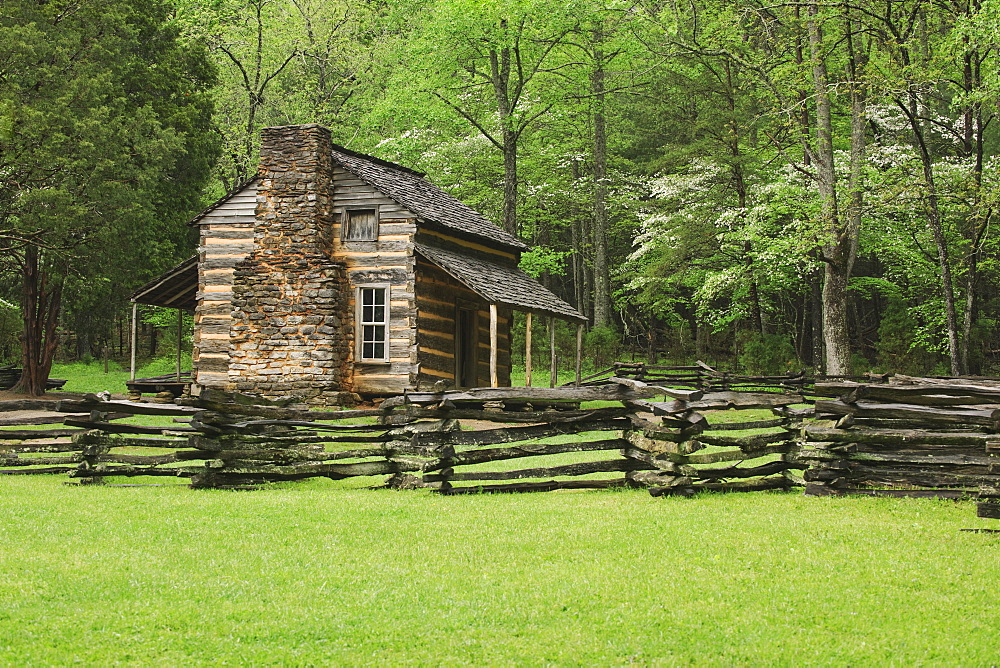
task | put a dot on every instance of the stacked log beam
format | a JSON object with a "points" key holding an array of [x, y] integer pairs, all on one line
{"points": [[911, 437]]}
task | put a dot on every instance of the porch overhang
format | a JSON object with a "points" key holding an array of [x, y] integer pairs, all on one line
{"points": [[176, 288], [499, 284]]}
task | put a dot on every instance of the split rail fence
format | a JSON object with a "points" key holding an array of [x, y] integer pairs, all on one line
{"points": [[484, 439], [899, 437]]}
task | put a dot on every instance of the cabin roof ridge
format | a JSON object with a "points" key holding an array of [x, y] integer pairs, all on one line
{"points": [[337, 148], [428, 201]]}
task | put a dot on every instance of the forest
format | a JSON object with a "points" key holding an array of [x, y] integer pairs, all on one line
{"points": [[763, 186]]}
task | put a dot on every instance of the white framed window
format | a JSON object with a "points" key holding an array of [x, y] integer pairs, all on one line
{"points": [[360, 224], [372, 318]]}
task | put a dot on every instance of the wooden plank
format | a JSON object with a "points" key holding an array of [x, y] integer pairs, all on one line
{"points": [[33, 434], [730, 455], [527, 348], [520, 434], [117, 428], [916, 413], [744, 400], [740, 426], [584, 468], [53, 418], [530, 394], [38, 471], [493, 346], [533, 417], [132, 407], [534, 450], [759, 485], [746, 442], [917, 477], [897, 437], [550, 486], [723, 473], [934, 394], [14, 460]]}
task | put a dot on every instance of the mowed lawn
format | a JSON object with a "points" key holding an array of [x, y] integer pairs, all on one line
{"points": [[317, 573]]}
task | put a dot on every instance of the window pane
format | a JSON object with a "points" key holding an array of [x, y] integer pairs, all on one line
{"points": [[373, 314]]}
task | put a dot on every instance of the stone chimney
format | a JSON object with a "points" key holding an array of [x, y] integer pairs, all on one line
{"points": [[289, 303]]}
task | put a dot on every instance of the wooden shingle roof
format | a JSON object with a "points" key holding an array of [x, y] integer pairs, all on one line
{"points": [[499, 284], [422, 197]]}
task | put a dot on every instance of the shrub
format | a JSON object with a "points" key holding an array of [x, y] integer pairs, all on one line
{"points": [[897, 349], [601, 346], [767, 354]]}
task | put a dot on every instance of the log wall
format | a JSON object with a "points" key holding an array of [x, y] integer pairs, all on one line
{"points": [[226, 238], [387, 261]]}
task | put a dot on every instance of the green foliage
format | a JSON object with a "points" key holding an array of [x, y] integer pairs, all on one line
{"points": [[112, 142], [899, 350], [601, 347], [166, 319], [767, 355], [541, 260], [10, 328]]}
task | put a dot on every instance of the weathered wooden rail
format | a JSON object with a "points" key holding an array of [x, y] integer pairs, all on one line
{"points": [[907, 437], [912, 437], [456, 442], [704, 377]]}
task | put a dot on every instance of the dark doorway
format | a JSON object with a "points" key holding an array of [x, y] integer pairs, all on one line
{"points": [[465, 347]]}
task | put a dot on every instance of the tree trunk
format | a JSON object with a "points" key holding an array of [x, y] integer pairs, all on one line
{"points": [[933, 212], [41, 298], [602, 279], [500, 65], [816, 321], [510, 182], [835, 251]]}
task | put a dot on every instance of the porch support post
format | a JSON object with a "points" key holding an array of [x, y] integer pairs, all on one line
{"points": [[579, 353], [494, 382], [180, 324], [553, 360], [527, 349], [135, 336]]}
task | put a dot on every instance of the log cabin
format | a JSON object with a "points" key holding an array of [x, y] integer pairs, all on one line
{"points": [[332, 271]]}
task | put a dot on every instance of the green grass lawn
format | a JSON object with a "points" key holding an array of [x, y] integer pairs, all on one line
{"points": [[316, 573], [90, 376]]}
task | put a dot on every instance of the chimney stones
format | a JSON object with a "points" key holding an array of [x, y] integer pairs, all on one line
{"points": [[289, 326]]}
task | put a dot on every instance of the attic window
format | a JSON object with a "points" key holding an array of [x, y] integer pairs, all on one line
{"points": [[361, 224]]}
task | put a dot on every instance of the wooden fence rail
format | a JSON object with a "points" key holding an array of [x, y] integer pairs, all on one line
{"points": [[456, 442], [904, 437], [912, 437]]}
